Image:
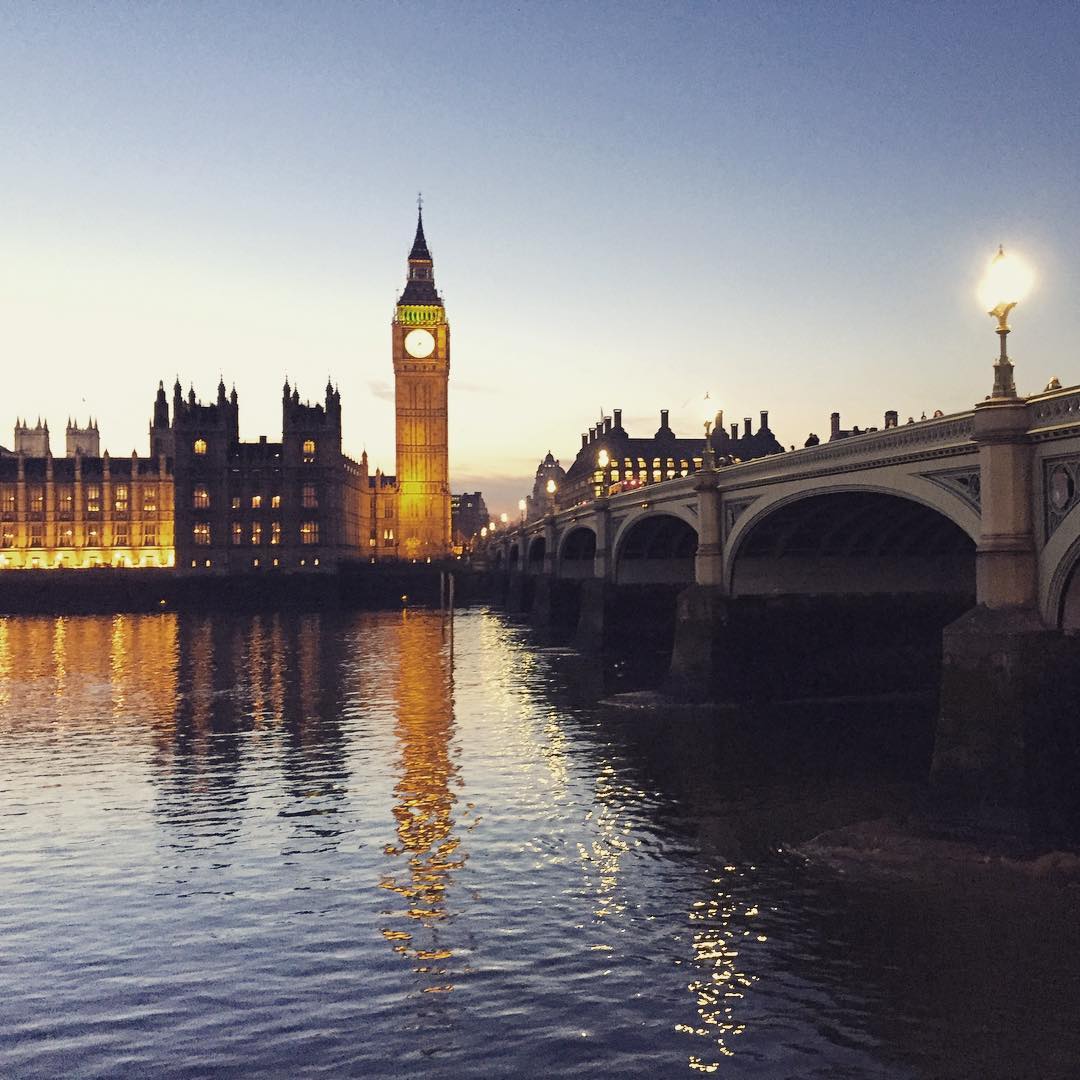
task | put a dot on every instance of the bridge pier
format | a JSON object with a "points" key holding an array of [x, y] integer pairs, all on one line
{"points": [[519, 593], [1007, 747], [703, 656], [555, 603]]}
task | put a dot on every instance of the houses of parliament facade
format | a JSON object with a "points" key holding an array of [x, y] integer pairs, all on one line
{"points": [[203, 502]]}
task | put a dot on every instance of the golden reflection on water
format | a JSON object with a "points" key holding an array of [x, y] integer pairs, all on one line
{"points": [[426, 852], [722, 937], [602, 859], [91, 668]]}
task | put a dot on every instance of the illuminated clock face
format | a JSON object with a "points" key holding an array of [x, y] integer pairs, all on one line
{"points": [[419, 343]]}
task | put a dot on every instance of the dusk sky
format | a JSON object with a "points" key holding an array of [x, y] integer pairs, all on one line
{"points": [[787, 206]]}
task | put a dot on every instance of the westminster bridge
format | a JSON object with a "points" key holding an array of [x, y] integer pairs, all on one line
{"points": [[960, 534]]}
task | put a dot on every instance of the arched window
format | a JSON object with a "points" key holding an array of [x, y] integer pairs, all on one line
{"points": [[309, 450], [200, 446]]}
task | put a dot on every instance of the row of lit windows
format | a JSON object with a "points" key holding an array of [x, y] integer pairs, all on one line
{"points": [[256, 532], [309, 499], [256, 563], [200, 447], [309, 533], [64, 496], [92, 536]]}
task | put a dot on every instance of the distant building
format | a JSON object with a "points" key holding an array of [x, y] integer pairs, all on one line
{"points": [[32, 441], [611, 460], [83, 510], [469, 514], [86, 441]]}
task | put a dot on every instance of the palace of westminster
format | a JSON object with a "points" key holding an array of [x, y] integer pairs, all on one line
{"points": [[203, 502]]}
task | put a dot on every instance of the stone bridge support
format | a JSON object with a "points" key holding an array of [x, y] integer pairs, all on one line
{"points": [[1007, 743]]}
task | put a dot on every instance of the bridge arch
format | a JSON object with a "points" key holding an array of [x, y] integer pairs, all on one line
{"points": [[656, 547], [577, 552], [851, 539], [1059, 575]]}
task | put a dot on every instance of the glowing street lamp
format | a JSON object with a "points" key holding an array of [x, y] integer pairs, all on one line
{"points": [[1007, 281], [521, 509], [504, 518], [483, 532], [551, 487]]}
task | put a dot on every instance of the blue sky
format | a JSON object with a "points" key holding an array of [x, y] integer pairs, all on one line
{"points": [[785, 205]]}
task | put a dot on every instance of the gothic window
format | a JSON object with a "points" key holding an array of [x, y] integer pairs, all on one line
{"points": [[201, 534], [149, 498], [37, 536], [309, 451], [120, 498], [66, 536], [37, 498], [275, 532], [121, 537], [93, 498], [7, 536], [65, 499], [93, 535], [256, 502], [200, 447], [236, 502], [7, 498], [309, 500], [309, 533], [275, 502], [256, 532], [149, 535], [237, 533], [201, 497]]}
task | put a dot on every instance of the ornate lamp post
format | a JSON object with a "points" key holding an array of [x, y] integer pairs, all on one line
{"points": [[603, 460], [1008, 280], [521, 510]]}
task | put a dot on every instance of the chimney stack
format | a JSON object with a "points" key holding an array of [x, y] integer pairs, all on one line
{"points": [[607, 425], [834, 425], [892, 418], [735, 431], [746, 426], [663, 418], [584, 440], [618, 419], [764, 420]]}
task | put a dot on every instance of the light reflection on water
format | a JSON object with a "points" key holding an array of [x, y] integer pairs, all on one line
{"points": [[322, 845]]}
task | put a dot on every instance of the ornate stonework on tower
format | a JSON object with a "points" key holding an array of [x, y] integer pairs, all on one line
{"points": [[421, 349]]}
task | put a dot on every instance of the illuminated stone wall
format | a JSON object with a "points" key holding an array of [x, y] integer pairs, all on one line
{"points": [[81, 512]]}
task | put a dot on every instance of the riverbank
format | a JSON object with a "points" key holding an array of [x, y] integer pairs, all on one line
{"points": [[107, 590]]}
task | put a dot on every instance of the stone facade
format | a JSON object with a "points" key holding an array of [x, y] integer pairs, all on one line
{"points": [[294, 505], [84, 511]]}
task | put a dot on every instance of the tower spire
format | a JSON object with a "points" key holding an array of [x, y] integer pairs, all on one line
{"points": [[420, 287], [419, 247]]}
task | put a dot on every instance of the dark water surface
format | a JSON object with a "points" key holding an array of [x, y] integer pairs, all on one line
{"points": [[286, 846]]}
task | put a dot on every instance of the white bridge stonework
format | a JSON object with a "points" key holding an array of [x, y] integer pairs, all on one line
{"points": [[1006, 474]]}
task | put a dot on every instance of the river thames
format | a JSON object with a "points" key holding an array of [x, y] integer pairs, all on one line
{"points": [[328, 845]]}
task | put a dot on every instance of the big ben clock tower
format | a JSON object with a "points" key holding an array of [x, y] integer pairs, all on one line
{"points": [[421, 346]]}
